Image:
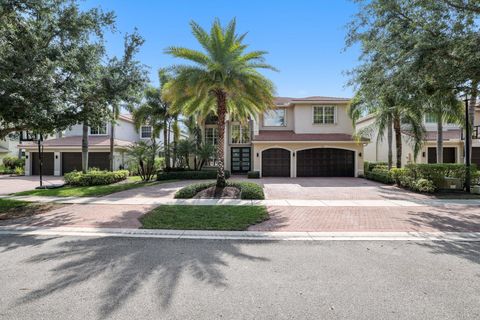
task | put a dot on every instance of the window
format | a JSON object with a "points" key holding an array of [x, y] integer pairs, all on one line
{"points": [[100, 130], [146, 132], [275, 118], [240, 134], [211, 135], [430, 118], [323, 115]]}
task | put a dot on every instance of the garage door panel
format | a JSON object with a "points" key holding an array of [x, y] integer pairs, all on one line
{"points": [[325, 162], [48, 163], [476, 156], [72, 161], [276, 163]]}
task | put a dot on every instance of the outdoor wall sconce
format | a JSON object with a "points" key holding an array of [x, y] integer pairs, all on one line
{"points": [[294, 154], [56, 156], [423, 154], [257, 155], [26, 157], [360, 154]]}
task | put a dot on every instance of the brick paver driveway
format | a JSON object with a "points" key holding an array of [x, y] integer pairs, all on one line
{"points": [[23, 183]]}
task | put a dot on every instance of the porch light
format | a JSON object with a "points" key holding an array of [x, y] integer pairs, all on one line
{"points": [[257, 155], [423, 154], [294, 154], [360, 154]]}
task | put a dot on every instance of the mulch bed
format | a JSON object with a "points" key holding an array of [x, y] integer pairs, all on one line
{"points": [[219, 193]]}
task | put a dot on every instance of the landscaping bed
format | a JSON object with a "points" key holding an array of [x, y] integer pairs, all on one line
{"points": [[248, 190], [189, 175], [233, 218], [13, 209]]}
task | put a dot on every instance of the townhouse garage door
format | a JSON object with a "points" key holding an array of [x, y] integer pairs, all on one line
{"points": [[73, 161], [325, 162], [276, 163], [48, 163]]}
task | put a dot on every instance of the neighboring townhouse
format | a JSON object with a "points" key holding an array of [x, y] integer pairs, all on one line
{"points": [[9, 146], [453, 143], [300, 137], [63, 152]]}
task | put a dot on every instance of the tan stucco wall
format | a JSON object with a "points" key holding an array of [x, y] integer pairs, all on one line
{"points": [[290, 121], [304, 120], [294, 147]]}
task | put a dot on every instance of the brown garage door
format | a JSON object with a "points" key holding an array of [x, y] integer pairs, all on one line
{"points": [[276, 163], [48, 163], [476, 156], [449, 155], [73, 161], [325, 162]]}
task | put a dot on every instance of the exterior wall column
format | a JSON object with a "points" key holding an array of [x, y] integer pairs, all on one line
{"points": [[293, 164], [28, 163], [57, 160]]}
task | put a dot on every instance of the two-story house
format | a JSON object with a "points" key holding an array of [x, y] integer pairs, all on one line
{"points": [[453, 143], [300, 137], [63, 152]]}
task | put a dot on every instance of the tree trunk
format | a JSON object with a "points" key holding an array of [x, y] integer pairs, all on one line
{"points": [[439, 139], [471, 111], [85, 147], [398, 139], [221, 112], [112, 139], [390, 142], [165, 144]]}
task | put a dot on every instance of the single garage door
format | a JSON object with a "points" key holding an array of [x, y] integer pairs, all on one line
{"points": [[73, 161], [476, 156], [276, 163], [48, 163], [325, 162], [449, 155]]}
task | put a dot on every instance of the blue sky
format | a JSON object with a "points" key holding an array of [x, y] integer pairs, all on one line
{"points": [[305, 39]]}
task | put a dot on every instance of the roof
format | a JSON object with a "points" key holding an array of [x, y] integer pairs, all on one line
{"points": [[76, 141], [287, 101], [127, 117], [266, 135], [454, 134]]}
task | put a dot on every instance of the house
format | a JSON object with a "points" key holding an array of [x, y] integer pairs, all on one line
{"points": [[9, 146], [62, 153], [453, 143], [300, 137]]}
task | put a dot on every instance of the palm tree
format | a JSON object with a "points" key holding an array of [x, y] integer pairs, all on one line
{"points": [[151, 112], [223, 79]]}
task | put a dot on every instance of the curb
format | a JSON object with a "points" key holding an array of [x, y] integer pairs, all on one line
{"points": [[244, 235]]}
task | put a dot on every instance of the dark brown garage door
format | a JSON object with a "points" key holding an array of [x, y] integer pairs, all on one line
{"points": [[325, 162], [48, 163], [73, 161], [276, 163], [476, 156], [449, 155]]}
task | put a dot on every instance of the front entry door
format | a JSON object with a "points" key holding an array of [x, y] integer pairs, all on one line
{"points": [[241, 160]]}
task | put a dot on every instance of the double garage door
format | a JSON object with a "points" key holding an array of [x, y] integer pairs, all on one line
{"points": [[70, 161], [318, 162]]}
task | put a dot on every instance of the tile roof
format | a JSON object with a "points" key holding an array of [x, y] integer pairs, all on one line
{"points": [[265, 135], [76, 141], [289, 100], [126, 116]]}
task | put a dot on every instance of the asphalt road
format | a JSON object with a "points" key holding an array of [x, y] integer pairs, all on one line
{"points": [[131, 278]]}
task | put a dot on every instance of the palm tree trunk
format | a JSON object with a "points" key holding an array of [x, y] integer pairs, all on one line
{"points": [[85, 147], [398, 139], [221, 112], [471, 111], [390, 142], [439, 139], [165, 144]]}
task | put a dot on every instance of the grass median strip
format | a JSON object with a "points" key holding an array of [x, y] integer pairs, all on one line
{"points": [[234, 218], [11, 209], [90, 191]]}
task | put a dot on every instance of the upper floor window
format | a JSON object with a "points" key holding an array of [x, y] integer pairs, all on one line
{"points": [[323, 115], [146, 132], [240, 134], [275, 118], [211, 135], [430, 118], [99, 130]]}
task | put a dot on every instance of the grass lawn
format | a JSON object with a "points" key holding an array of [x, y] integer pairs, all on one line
{"points": [[204, 217], [92, 191], [11, 209]]}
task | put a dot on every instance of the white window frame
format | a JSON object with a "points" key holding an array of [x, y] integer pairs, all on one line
{"points": [[242, 130], [215, 128], [323, 123], [284, 118], [429, 122], [98, 134], [141, 132]]}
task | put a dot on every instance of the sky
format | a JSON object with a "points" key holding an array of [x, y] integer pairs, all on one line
{"points": [[305, 39]]}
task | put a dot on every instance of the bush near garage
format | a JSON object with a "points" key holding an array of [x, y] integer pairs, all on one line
{"points": [[95, 177], [11, 163], [248, 190], [190, 175], [380, 173], [253, 175]]}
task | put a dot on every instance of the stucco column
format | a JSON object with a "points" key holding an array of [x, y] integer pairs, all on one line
{"points": [[28, 163], [293, 164], [57, 170]]}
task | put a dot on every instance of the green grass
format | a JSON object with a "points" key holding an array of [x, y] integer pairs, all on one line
{"points": [[204, 217], [92, 191], [10, 209]]}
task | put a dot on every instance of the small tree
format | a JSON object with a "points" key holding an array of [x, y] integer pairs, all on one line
{"points": [[144, 154]]}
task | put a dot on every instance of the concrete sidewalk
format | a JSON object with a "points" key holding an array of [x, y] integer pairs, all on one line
{"points": [[236, 202]]}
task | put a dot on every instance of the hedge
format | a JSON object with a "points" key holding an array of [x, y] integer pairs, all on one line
{"points": [[248, 190], [253, 175], [95, 177], [13, 162], [187, 175]]}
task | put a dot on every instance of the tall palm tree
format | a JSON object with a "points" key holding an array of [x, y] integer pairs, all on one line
{"points": [[151, 112], [223, 79]]}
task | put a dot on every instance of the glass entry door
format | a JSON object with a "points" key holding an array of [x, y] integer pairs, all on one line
{"points": [[241, 160]]}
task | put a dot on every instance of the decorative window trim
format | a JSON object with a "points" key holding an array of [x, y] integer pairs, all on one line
{"points": [[98, 127], [284, 118], [323, 123], [141, 132]]}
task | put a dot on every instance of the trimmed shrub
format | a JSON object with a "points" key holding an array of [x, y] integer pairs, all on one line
{"points": [[187, 175], [19, 171], [95, 177], [424, 185], [248, 190], [253, 175], [380, 173], [12, 162]]}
